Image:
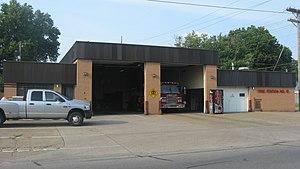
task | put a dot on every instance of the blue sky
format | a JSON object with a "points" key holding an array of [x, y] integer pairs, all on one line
{"points": [[144, 22]]}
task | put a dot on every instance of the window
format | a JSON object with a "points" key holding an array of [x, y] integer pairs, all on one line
{"points": [[37, 96], [52, 97], [170, 89], [242, 95]]}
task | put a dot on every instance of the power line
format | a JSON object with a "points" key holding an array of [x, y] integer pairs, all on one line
{"points": [[235, 14], [215, 6], [280, 28], [183, 27], [275, 22], [186, 25], [207, 14], [231, 15], [267, 22], [283, 64]]}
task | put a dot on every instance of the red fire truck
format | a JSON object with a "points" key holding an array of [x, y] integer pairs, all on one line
{"points": [[172, 96]]}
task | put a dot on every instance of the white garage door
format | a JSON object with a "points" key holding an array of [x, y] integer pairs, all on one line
{"points": [[235, 99]]}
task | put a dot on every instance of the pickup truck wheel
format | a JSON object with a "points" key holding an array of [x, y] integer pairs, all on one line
{"points": [[2, 119], [75, 119]]}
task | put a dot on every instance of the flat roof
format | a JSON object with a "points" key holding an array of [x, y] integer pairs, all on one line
{"points": [[130, 53]]}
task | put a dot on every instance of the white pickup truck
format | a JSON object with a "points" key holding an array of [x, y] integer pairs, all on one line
{"points": [[45, 104]]}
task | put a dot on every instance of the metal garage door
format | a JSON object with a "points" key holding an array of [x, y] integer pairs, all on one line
{"points": [[235, 99]]}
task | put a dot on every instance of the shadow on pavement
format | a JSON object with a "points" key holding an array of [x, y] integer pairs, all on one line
{"points": [[34, 123], [56, 123], [104, 122]]}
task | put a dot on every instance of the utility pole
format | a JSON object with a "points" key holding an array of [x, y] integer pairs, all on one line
{"points": [[296, 22]]}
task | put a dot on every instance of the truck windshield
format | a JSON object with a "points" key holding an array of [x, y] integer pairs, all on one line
{"points": [[172, 89]]}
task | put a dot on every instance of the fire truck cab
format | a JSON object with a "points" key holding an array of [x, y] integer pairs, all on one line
{"points": [[172, 96]]}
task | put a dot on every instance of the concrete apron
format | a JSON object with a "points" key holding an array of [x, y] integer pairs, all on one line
{"points": [[139, 135]]}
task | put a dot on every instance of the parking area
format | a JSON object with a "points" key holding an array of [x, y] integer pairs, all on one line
{"points": [[135, 134]]}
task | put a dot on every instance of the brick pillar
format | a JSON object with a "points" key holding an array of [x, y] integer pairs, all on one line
{"points": [[84, 76], [10, 90], [152, 85], [250, 99], [210, 82]]}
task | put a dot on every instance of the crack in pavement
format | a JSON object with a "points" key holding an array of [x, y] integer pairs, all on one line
{"points": [[37, 164], [154, 157], [207, 164]]}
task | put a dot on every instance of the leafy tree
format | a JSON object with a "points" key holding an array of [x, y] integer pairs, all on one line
{"points": [[252, 47], [192, 40], [28, 33]]}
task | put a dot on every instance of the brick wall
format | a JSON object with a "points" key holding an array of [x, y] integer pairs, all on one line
{"points": [[272, 99], [210, 82], [83, 88], [151, 83]]}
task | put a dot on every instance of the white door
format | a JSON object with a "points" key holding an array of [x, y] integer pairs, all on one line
{"points": [[235, 99]]}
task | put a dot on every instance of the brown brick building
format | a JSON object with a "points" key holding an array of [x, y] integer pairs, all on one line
{"points": [[111, 76]]}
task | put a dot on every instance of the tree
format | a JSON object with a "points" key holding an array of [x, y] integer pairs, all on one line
{"points": [[23, 32], [192, 40], [252, 47]]}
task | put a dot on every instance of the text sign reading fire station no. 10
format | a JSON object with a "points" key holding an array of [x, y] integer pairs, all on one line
{"points": [[153, 93]]}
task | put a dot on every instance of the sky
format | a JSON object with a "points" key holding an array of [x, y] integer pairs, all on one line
{"points": [[153, 23]]}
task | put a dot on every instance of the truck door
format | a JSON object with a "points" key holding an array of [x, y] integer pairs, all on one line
{"points": [[55, 106], [35, 105]]}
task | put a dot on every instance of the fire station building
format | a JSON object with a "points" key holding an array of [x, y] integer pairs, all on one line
{"points": [[113, 76]]}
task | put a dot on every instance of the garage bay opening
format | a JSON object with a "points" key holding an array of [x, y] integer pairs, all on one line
{"points": [[190, 77], [117, 88]]}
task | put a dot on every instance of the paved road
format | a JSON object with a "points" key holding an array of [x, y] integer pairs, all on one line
{"points": [[279, 156], [239, 140]]}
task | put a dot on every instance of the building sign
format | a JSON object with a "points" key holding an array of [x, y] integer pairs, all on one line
{"points": [[273, 91], [153, 93]]}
